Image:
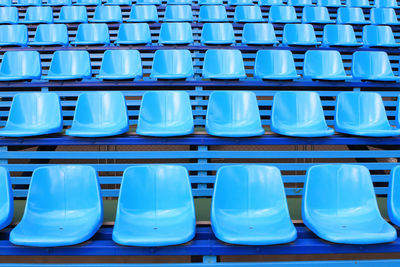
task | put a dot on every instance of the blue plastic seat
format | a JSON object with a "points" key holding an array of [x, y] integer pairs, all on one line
{"points": [[351, 15], [178, 13], [393, 197], [73, 14], [385, 16], [174, 33], [316, 14], [217, 34], [155, 207], [299, 34], [69, 65], [240, 2], [210, 2], [107, 14], [172, 64], [58, 3], [249, 206], [120, 64], [133, 33], [144, 13], [380, 36], [5, 2], [339, 205], [38, 14], [212, 13], [6, 199], [33, 114], [99, 114], [357, 3], [275, 65], [329, 3], [179, 2], [165, 113], [20, 65], [299, 114], [148, 2], [339, 35], [28, 3], [248, 14], [299, 3], [363, 114], [92, 34], [386, 3], [118, 2], [233, 114], [372, 65], [64, 207], [223, 64], [88, 2], [282, 14], [324, 65], [259, 34], [13, 35], [51, 34], [270, 2], [8, 15]]}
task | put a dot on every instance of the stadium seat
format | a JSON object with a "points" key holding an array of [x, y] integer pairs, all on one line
{"points": [[155, 207], [88, 2], [69, 65], [212, 13], [270, 2], [223, 64], [233, 114], [5, 2], [372, 65], [249, 206], [120, 65], [324, 65], [339, 35], [20, 65], [275, 65], [385, 16], [8, 15], [351, 15], [133, 33], [248, 14], [118, 2], [6, 199], [148, 2], [339, 205], [299, 34], [210, 2], [299, 114], [172, 64], [165, 113], [58, 3], [316, 14], [179, 2], [357, 3], [73, 14], [386, 3], [363, 114], [240, 2], [28, 3], [178, 13], [259, 34], [50, 34], [13, 35], [107, 14], [176, 33], [393, 197], [379, 36], [300, 3], [92, 34], [329, 3], [99, 114], [217, 34], [145, 13], [33, 114], [282, 14], [64, 207], [38, 14]]}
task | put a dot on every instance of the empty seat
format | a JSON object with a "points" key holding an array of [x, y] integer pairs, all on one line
{"points": [[240, 2], [51, 34], [120, 64], [339, 35], [33, 114], [324, 65], [133, 33], [298, 114], [5, 2], [172, 64], [270, 2], [178, 13], [386, 3], [299, 34], [88, 2], [210, 2], [38, 14], [386, 16], [155, 207], [393, 198], [69, 65], [299, 2], [179, 2], [165, 113], [20, 65], [319, 14], [259, 34], [99, 114], [28, 3], [363, 114], [107, 14], [380, 36], [217, 34], [282, 14], [148, 2], [145, 13], [223, 64], [118, 2], [6, 199], [174, 33], [248, 14], [8, 15], [351, 15], [92, 34], [233, 114], [249, 206], [329, 3], [73, 14], [13, 35], [357, 3], [58, 3], [212, 13], [63, 207], [339, 205], [275, 65], [372, 65]]}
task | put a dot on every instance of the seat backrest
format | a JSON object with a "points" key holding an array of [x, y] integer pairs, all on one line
{"points": [[315, 14], [338, 34], [39, 13], [274, 62], [270, 2], [70, 62], [93, 32], [371, 63], [350, 15], [386, 3], [172, 61], [5, 2], [21, 63], [51, 33], [282, 13], [121, 62], [13, 34], [73, 13], [213, 32], [374, 35], [383, 16], [298, 33], [323, 62], [134, 31], [226, 61], [329, 3], [6, 199], [143, 13], [260, 33], [29, 2], [59, 2], [300, 2], [8, 14], [393, 198], [176, 31], [178, 13], [110, 13], [212, 13], [247, 13], [357, 3]]}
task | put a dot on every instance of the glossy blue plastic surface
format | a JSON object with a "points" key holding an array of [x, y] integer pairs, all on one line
{"points": [[165, 113], [339, 205], [107, 14], [240, 2], [385, 16], [6, 199], [339, 35], [393, 198], [144, 13], [282, 14], [179, 2], [51, 34], [8, 15], [217, 34], [155, 207], [351, 15], [68, 65], [299, 34], [223, 64], [173, 33], [178, 13], [118, 2], [357, 3], [324, 65], [210, 2], [299, 3], [379, 36], [386, 3], [92, 34], [33, 114], [20, 65], [270, 2], [233, 114], [13, 35], [100, 114], [275, 65], [212, 13], [88, 2], [372, 65], [363, 114], [259, 34], [316, 14], [248, 14], [120, 64], [148, 2], [172, 64], [58, 3], [249, 206], [5, 2], [28, 3], [133, 33], [298, 114], [73, 14], [63, 207], [329, 3], [38, 14]]}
